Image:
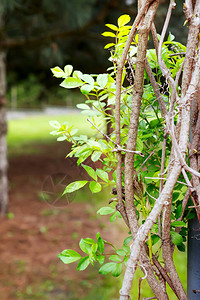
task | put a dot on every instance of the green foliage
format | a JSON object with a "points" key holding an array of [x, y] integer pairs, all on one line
{"points": [[99, 91]]}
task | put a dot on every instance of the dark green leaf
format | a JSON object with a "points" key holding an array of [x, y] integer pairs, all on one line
{"points": [[100, 243], [178, 224], [176, 238]]}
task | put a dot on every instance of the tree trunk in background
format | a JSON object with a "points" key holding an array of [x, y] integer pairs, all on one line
{"points": [[3, 131]]}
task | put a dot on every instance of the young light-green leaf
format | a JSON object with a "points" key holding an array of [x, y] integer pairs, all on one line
{"points": [[95, 187], [58, 72], [68, 70], [71, 83], [113, 27], [83, 106], [95, 156], [117, 270], [106, 211], [108, 33], [123, 20], [86, 89], [85, 247], [103, 175], [68, 256], [88, 78], [74, 186], [107, 268], [102, 80], [83, 263], [55, 124], [115, 258], [90, 172]]}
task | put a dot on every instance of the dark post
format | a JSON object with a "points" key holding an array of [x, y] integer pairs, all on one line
{"points": [[193, 262]]}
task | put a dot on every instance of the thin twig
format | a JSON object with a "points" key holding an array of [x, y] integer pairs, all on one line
{"points": [[119, 148], [176, 54], [144, 162]]}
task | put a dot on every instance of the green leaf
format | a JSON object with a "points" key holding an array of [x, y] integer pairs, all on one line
{"points": [[113, 27], [155, 238], [128, 240], [177, 239], [121, 252], [83, 106], [58, 72], [95, 144], [95, 156], [54, 124], [95, 187], [77, 74], [139, 145], [89, 241], [117, 270], [102, 80], [178, 224], [109, 45], [123, 20], [181, 247], [74, 186], [86, 89], [107, 268], [106, 211], [108, 34], [68, 256], [71, 83], [100, 243], [83, 263], [114, 216], [85, 247], [90, 172], [103, 175], [61, 138], [100, 259], [88, 78], [68, 70], [115, 258]]}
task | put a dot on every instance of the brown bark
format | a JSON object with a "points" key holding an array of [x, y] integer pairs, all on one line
{"points": [[3, 145]]}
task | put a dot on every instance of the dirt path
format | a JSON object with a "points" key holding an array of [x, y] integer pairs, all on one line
{"points": [[40, 229]]}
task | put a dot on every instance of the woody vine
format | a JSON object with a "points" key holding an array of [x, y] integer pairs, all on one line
{"points": [[149, 98]]}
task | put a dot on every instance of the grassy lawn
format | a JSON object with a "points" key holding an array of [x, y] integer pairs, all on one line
{"points": [[23, 133]]}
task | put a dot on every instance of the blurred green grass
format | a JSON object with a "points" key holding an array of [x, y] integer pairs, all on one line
{"points": [[23, 133]]}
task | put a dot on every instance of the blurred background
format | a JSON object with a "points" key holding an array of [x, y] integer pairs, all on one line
{"points": [[37, 35]]}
